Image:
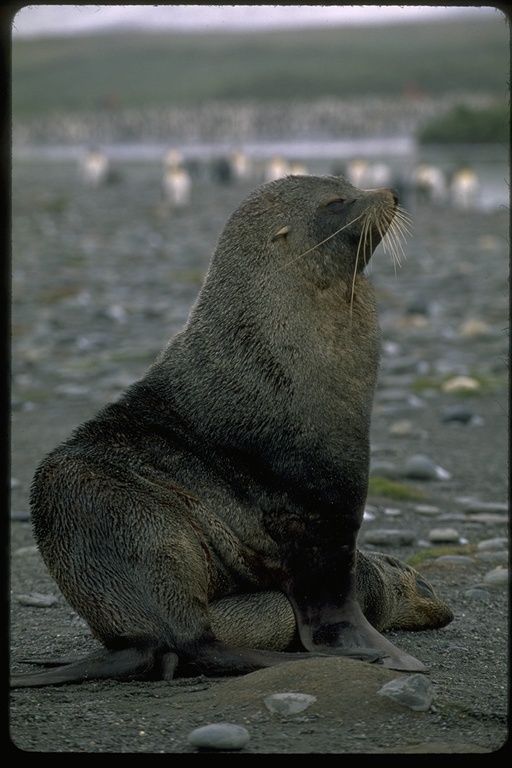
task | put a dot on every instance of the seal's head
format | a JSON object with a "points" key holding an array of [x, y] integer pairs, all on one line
{"points": [[320, 225]]}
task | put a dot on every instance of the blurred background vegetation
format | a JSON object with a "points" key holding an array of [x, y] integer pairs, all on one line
{"points": [[151, 70], [464, 125]]}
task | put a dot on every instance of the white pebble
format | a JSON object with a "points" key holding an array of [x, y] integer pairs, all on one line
{"points": [[289, 703], [461, 384], [38, 600], [219, 736]]}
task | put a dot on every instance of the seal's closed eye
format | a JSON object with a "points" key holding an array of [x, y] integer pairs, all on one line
{"points": [[335, 206]]}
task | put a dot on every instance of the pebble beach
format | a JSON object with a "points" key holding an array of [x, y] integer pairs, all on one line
{"points": [[101, 279]]}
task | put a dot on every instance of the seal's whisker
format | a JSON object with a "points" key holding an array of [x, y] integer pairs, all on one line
{"points": [[402, 227], [397, 233], [393, 246], [363, 237], [403, 214]]}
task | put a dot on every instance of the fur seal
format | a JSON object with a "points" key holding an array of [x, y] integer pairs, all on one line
{"points": [[226, 488]]}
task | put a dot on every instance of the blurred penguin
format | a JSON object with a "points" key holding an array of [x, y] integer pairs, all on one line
{"points": [[94, 168], [464, 188], [176, 181], [429, 184], [276, 168]]}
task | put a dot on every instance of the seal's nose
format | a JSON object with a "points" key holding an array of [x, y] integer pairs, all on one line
{"points": [[396, 195]]}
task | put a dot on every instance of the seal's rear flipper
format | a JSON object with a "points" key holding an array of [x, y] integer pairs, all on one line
{"points": [[125, 664]]}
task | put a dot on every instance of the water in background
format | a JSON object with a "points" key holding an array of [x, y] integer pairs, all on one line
{"points": [[401, 154]]}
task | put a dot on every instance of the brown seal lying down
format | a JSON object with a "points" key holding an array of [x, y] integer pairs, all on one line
{"points": [[208, 519]]}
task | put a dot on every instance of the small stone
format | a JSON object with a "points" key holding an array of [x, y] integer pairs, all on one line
{"points": [[414, 692], [384, 469], [451, 517], [426, 509], [461, 384], [473, 328], [422, 468], [496, 544], [493, 557], [418, 306], [219, 736], [489, 519], [289, 703], [443, 535], [37, 600], [494, 507], [387, 536], [457, 413], [496, 577], [401, 428], [477, 593]]}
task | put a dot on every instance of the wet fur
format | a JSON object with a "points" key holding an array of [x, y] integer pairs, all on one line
{"points": [[238, 465]]}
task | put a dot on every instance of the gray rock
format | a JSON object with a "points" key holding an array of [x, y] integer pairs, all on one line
{"points": [[497, 577], [384, 469], [422, 468], [477, 593], [414, 692], [492, 507], [427, 510], [451, 517], [489, 519], [219, 736], [457, 413], [498, 543], [443, 535], [289, 703], [493, 557], [37, 600], [388, 537]]}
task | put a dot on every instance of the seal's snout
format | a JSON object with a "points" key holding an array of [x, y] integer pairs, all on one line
{"points": [[392, 194], [396, 196]]}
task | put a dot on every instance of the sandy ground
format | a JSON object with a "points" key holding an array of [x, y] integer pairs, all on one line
{"points": [[101, 280]]}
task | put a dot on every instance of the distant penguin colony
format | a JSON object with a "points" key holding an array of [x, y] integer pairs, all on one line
{"points": [[207, 520]]}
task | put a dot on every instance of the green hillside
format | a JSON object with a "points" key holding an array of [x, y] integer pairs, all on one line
{"points": [[135, 70]]}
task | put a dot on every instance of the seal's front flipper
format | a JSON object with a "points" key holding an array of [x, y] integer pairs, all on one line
{"points": [[344, 631], [218, 658]]}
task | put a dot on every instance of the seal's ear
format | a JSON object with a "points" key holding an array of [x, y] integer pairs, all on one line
{"points": [[283, 232]]}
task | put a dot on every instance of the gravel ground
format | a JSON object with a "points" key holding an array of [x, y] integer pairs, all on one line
{"points": [[100, 280]]}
